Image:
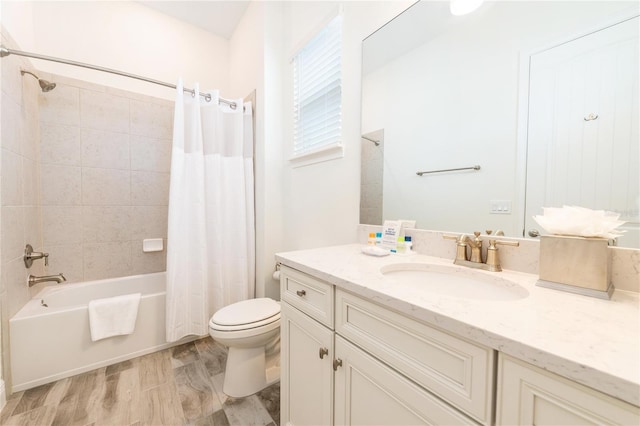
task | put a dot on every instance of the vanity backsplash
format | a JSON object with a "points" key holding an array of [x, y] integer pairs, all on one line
{"points": [[625, 262]]}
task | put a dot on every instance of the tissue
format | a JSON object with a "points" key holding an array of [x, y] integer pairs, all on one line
{"points": [[580, 222]]}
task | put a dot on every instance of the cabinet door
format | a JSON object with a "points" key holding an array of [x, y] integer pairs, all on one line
{"points": [[528, 395], [306, 381], [368, 392]]}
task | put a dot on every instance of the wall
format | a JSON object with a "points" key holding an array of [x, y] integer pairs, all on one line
{"points": [[322, 200], [20, 211], [254, 42], [121, 35], [105, 158]]}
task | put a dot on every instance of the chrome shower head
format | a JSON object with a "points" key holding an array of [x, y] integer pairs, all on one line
{"points": [[45, 85]]}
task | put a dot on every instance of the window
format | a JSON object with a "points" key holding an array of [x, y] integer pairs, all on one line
{"points": [[317, 99]]}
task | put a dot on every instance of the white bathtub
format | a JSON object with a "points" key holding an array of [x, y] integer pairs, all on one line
{"points": [[54, 342]]}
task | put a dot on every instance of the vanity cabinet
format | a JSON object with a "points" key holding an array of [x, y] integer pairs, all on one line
{"points": [[372, 365], [529, 395]]}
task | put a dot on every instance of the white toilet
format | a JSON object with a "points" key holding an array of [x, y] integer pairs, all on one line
{"points": [[251, 331]]}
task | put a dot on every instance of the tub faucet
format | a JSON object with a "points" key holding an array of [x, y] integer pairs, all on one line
{"points": [[33, 280]]}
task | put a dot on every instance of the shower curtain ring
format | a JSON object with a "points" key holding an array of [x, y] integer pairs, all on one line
{"points": [[207, 97]]}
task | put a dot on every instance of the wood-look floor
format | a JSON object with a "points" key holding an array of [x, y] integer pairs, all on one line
{"points": [[177, 386]]}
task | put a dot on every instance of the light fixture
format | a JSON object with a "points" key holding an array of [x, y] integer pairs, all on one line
{"points": [[462, 7]]}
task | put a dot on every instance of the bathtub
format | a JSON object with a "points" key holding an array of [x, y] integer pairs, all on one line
{"points": [[52, 342]]}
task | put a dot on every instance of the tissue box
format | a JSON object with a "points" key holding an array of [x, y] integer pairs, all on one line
{"points": [[575, 264]]}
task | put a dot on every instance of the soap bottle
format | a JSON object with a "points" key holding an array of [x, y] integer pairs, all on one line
{"points": [[400, 247], [372, 239], [407, 244], [378, 238]]}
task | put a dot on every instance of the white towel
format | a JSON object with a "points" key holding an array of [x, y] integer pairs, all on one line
{"points": [[113, 316]]}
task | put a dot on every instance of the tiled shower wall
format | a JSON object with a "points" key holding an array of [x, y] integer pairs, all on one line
{"points": [[105, 156], [19, 193]]}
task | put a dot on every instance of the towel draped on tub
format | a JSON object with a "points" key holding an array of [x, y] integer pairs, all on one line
{"points": [[113, 316]]}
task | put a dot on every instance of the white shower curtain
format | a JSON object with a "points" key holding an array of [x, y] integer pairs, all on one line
{"points": [[210, 243]]}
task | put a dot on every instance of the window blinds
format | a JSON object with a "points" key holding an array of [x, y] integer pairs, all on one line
{"points": [[317, 100]]}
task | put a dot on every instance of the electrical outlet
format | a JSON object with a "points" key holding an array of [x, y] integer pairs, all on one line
{"points": [[500, 207]]}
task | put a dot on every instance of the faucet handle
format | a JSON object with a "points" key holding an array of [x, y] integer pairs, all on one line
{"points": [[493, 260]]}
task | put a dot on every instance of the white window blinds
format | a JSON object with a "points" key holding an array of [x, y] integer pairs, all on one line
{"points": [[317, 99]]}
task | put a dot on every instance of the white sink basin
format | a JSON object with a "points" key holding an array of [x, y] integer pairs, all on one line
{"points": [[454, 281]]}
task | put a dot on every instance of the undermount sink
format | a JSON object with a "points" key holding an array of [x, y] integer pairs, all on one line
{"points": [[454, 281]]}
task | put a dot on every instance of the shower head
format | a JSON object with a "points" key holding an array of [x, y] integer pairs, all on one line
{"points": [[45, 85]]}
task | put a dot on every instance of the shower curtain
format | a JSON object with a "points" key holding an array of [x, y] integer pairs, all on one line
{"points": [[211, 234]]}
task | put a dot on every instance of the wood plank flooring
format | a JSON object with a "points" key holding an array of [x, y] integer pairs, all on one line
{"points": [[177, 386]]}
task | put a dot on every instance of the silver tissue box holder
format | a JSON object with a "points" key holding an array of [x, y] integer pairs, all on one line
{"points": [[575, 264]]}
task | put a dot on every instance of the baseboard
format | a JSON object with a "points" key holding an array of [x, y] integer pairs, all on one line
{"points": [[3, 395]]}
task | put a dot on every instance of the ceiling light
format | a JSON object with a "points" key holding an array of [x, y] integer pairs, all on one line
{"points": [[462, 7]]}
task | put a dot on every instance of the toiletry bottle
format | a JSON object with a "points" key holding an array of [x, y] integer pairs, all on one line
{"points": [[378, 238], [400, 248], [372, 239], [407, 244]]}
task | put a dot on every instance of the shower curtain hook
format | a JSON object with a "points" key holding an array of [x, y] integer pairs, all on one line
{"points": [[207, 97]]}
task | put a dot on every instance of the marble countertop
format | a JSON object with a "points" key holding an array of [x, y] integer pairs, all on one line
{"points": [[591, 341]]}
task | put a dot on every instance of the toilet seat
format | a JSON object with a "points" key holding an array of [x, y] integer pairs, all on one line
{"points": [[247, 314]]}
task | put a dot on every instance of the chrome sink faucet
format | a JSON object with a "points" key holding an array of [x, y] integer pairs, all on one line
{"points": [[492, 262], [33, 280]]}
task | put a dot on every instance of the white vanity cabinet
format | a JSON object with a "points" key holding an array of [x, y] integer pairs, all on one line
{"points": [[529, 395], [377, 367]]}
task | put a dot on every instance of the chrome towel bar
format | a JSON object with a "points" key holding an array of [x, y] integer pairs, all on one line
{"points": [[476, 167]]}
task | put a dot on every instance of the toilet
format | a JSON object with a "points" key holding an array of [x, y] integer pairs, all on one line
{"points": [[251, 331]]}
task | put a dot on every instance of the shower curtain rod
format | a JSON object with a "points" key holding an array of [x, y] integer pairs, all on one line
{"points": [[6, 52]]}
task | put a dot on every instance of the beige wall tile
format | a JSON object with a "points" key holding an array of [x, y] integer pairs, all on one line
{"points": [[148, 222], [106, 260], [146, 263], [103, 149], [12, 233], [30, 179], [60, 144], [11, 78], [33, 226], [12, 178], [60, 185], [61, 106], [149, 189], [11, 124], [61, 225], [106, 224], [104, 111], [66, 259], [31, 138], [30, 93], [102, 187], [150, 154], [151, 120]]}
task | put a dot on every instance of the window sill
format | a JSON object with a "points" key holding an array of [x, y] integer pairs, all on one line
{"points": [[325, 153]]}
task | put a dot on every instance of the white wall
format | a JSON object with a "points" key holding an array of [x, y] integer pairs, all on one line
{"points": [[121, 35], [322, 200]]}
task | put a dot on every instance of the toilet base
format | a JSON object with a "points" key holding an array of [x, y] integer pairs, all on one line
{"points": [[247, 373]]}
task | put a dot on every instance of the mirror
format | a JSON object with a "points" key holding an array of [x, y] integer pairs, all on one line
{"points": [[445, 94]]}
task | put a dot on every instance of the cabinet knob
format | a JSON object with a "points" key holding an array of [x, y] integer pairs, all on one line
{"points": [[301, 293], [337, 363], [323, 352]]}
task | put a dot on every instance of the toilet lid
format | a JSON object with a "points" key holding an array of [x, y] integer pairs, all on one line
{"points": [[246, 312]]}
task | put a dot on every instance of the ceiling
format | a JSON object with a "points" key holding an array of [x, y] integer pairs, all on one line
{"points": [[217, 17]]}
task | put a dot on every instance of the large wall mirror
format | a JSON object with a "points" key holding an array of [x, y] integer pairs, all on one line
{"points": [[517, 106]]}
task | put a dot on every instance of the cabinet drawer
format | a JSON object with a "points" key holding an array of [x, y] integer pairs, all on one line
{"points": [[528, 395], [311, 296], [456, 370], [368, 392]]}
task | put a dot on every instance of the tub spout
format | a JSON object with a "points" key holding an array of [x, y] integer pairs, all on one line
{"points": [[33, 280]]}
